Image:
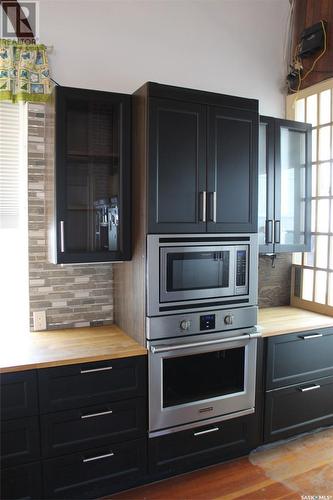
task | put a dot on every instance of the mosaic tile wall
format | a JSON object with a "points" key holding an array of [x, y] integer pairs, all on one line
{"points": [[72, 296], [274, 283]]}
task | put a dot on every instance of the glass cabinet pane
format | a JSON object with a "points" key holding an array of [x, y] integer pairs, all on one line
{"points": [[93, 177], [293, 186]]}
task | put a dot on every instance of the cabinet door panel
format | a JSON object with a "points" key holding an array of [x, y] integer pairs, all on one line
{"points": [[23, 481], [18, 394], [232, 170], [266, 185], [177, 166], [292, 186], [92, 175], [297, 409], [20, 441]]}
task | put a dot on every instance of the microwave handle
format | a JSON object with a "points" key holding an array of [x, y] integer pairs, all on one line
{"points": [[177, 347]]}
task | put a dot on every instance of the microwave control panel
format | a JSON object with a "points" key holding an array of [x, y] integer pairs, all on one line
{"points": [[241, 268]]}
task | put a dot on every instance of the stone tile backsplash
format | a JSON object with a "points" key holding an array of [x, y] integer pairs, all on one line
{"points": [[274, 282], [71, 295]]}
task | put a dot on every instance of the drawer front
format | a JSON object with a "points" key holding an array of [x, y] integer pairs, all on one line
{"points": [[95, 473], [23, 481], [73, 430], [297, 409], [299, 357], [186, 450], [19, 441], [18, 394], [76, 386]]}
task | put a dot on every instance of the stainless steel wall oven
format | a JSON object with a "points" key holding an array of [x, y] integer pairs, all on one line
{"points": [[197, 272], [202, 368]]}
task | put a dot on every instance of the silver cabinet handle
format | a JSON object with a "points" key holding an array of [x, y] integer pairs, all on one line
{"points": [[214, 429], [212, 207], [277, 231], [269, 231], [91, 370], [311, 388], [99, 457], [62, 236], [309, 337], [91, 415], [203, 206]]}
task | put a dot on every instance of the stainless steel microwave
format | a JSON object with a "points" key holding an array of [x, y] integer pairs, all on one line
{"points": [[196, 272]]}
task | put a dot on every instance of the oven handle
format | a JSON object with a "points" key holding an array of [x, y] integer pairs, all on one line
{"points": [[201, 344]]}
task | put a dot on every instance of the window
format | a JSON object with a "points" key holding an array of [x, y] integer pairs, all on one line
{"points": [[313, 271], [14, 294]]}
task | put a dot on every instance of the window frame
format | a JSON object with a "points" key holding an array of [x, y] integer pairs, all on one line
{"points": [[298, 301]]}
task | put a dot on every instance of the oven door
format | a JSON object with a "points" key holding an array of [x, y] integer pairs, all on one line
{"points": [[190, 382], [193, 273]]}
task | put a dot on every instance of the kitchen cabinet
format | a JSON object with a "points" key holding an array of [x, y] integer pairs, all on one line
{"points": [[20, 437], [87, 438], [200, 161], [284, 210], [299, 383], [92, 176]]}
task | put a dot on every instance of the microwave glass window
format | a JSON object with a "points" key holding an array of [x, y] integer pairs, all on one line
{"points": [[203, 376], [197, 270]]}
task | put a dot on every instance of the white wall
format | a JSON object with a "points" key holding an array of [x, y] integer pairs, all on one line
{"points": [[228, 46]]}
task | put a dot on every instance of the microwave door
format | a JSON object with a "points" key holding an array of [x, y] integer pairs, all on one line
{"points": [[194, 273]]}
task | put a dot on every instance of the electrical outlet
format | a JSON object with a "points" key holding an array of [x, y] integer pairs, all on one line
{"points": [[39, 318]]}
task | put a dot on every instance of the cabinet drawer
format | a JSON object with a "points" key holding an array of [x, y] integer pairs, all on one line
{"points": [[19, 441], [297, 409], [23, 481], [186, 450], [86, 384], [296, 358], [18, 394], [72, 430], [95, 473]]}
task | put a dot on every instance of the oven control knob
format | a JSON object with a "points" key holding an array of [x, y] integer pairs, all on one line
{"points": [[185, 324], [229, 319]]}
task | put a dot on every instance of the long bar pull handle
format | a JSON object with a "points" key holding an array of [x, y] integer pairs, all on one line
{"points": [[62, 236], [98, 457], [214, 429], [202, 344], [91, 370], [277, 231], [309, 337], [203, 200], [269, 231], [311, 388], [91, 415], [212, 206]]}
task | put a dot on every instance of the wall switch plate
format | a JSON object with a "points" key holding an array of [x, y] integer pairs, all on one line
{"points": [[39, 318]]}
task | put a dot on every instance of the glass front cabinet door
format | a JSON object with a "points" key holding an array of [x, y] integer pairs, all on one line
{"points": [[92, 140], [284, 186]]}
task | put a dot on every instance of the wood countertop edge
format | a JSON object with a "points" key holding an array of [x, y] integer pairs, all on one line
{"points": [[71, 361]]}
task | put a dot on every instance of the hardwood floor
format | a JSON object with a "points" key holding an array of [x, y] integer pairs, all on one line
{"points": [[302, 466]]}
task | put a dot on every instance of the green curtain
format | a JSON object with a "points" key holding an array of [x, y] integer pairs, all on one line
{"points": [[24, 72]]}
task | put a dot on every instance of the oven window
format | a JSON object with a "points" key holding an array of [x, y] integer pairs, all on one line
{"points": [[197, 270], [203, 376]]}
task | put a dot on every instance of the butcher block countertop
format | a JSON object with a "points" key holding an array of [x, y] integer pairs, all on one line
{"points": [[287, 319], [66, 347]]}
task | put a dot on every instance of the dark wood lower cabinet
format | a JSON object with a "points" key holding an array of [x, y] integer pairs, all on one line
{"points": [[19, 441], [95, 473], [300, 408], [187, 450], [22, 481]]}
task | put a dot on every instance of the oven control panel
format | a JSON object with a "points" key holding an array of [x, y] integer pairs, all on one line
{"points": [[207, 322]]}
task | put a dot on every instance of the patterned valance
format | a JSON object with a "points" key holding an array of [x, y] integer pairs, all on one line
{"points": [[24, 72]]}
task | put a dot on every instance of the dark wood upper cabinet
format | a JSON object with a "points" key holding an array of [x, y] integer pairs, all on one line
{"points": [[199, 158], [232, 170], [284, 186], [92, 175]]}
